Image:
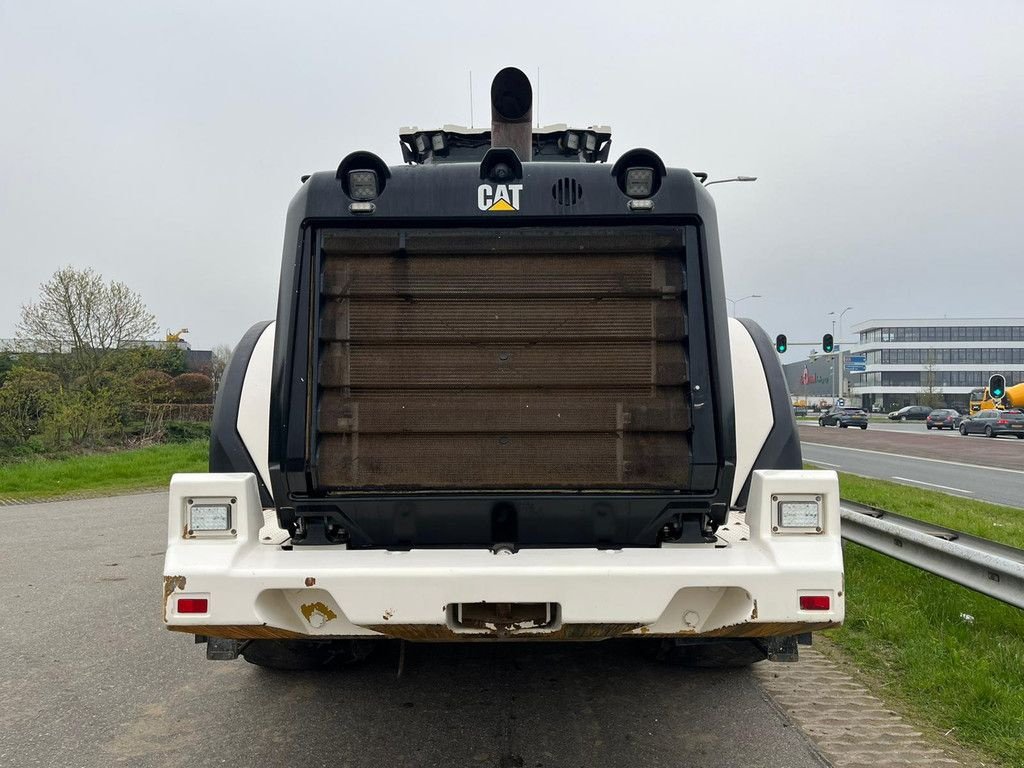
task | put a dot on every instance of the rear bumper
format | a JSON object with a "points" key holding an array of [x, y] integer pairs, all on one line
{"points": [[748, 585]]}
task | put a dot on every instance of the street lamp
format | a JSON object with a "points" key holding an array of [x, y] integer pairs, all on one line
{"points": [[734, 302], [734, 178]]}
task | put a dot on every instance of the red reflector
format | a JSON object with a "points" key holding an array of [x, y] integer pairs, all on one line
{"points": [[813, 602], [201, 604]]}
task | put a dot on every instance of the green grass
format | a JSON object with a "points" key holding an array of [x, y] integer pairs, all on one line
{"points": [[908, 630], [101, 473]]}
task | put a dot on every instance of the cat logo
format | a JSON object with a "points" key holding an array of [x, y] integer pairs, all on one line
{"points": [[502, 197]]}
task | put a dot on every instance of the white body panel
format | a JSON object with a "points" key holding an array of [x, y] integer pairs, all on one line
{"points": [[254, 404], [747, 585], [753, 403]]}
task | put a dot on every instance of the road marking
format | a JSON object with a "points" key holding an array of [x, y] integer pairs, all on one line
{"points": [[933, 485], [916, 458], [825, 463]]}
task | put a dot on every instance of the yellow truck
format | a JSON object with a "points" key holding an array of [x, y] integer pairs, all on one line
{"points": [[981, 400]]}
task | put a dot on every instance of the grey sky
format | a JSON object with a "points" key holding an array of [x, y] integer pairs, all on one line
{"points": [[161, 143]]}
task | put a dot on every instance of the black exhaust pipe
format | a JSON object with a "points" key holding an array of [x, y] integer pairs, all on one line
{"points": [[512, 112]]}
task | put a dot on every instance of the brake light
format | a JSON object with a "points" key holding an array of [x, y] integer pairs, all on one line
{"points": [[1002, 421], [199, 605], [815, 602]]}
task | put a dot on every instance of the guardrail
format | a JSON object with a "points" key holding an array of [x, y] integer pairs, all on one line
{"points": [[996, 570]]}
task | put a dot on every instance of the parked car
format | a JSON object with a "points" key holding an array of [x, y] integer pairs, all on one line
{"points": [[943, 418], [993, 423], [911, 413], [844, 417]]}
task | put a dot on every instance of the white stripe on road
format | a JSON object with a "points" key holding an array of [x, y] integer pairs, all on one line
{"points": [[933, 485], [915, 458], [825, 463]]}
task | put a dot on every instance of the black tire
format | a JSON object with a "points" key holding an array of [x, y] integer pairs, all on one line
{"points": [[864, 426], [963, 430], [841, 425], [821, 422], [989, 432], [903, 418], [301, 655], [929, 426]]}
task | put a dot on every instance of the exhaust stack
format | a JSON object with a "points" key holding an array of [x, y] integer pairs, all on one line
{"points": [[512, 112]]}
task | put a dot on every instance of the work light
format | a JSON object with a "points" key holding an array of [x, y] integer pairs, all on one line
{"points": [[797, 514], [362, 185], [639, 182]]}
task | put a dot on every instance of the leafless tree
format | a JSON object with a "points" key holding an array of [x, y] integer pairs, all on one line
{"points": [[82, 318]]}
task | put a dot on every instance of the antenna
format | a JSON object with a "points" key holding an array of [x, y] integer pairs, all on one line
{"points": [[471, 98]]}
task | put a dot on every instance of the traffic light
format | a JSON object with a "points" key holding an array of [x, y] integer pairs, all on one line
{"points": [[781, 343], [827, 343], [997, 386]]}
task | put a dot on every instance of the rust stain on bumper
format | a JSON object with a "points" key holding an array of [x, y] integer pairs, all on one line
{"points": [[172, 583]]}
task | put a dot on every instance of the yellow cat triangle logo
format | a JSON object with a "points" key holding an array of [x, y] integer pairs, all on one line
{"points": [[500, 197]]}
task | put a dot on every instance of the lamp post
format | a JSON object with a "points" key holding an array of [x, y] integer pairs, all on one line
{"points": [[734, 302], [734, 178], [842, 375]]}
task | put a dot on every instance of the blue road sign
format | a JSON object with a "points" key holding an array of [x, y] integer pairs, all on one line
{"points": [[855, 368], [857, 359]]}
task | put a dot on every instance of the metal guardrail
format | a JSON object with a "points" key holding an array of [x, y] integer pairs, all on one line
{"points": [[996, 570]]}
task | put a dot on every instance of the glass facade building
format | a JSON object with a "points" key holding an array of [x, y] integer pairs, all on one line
{"points": [[933, 361]]}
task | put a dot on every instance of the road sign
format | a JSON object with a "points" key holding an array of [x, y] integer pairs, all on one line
{"points": [[855, 368], [857, 359]]}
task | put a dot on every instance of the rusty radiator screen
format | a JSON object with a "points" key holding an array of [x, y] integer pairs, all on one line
{"points": [[484, 359]]}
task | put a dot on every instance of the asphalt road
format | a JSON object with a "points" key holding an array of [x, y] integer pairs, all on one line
{"points": [[996, 484], [90, 678]]}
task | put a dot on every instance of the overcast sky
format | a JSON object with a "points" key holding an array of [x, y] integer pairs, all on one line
{"points": [[160, 143]]}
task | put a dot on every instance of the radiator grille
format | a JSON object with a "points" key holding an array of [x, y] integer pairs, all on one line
{"points": [[530, 359]]}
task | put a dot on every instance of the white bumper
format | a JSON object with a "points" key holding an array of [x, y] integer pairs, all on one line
{"points": [[748, 585]]}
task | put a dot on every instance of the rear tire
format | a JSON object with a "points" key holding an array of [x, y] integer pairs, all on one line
{"points": [[302, 655], [865, 426], [929, 426], [821, 422], [842, 426]]}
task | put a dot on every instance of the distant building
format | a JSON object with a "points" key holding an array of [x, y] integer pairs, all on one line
{"points": [[910, 361], [812, 381]]}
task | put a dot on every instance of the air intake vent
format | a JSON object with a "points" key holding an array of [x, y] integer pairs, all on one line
{"points": [[567, 191]]}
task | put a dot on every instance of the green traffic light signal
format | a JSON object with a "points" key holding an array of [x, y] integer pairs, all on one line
{"points": [[781, 343], [827, 343], [997, 386]]}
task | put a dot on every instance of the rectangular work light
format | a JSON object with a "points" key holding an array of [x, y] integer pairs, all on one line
{"points": [[798, 514]]}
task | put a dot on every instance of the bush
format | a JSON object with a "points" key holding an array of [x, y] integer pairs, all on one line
{"points": [[185, 431], [193, 388], [26, 398], [152, 386]]}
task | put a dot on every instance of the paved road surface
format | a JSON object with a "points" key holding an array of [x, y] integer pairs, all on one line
{"points": [[896, 461], [90, 678]]}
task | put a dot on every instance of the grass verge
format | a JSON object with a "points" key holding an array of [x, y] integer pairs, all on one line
{"points": [[952, 657], [99, 473]]}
